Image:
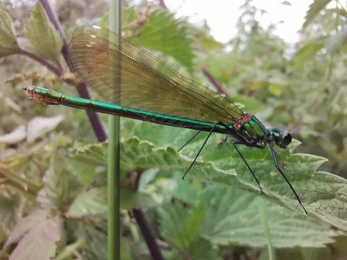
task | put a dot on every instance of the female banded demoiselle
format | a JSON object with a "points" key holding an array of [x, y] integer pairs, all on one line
{"points": [[152, 91]]}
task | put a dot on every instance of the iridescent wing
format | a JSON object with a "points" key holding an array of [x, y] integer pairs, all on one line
{"points": [[102, 58]]}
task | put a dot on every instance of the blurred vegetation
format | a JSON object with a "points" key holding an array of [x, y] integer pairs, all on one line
{"points": [[53, 171]]}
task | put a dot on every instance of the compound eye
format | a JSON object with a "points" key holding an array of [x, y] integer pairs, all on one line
{"points": [[287, 138]]}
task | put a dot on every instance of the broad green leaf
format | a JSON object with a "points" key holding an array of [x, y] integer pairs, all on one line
{"points": [[202, 249], [139, 155], [94, 202], [313, 10], [7, 36], [323, 194], [95, 246], [44, 39], [184, 191], [163, 33], [91, 155], [135, 199], [89, 202], [232, 217], [179, 225]]}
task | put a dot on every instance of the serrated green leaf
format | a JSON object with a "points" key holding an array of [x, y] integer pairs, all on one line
{"points": [[184, 191], [135, 199], [44, 39], [94, 202], [8, 41], [322, 194], [89, 202], [90, 154], [7, 38], [232, 217], [202, 249], [95, 246], [182, 224], [313, 10], [163, 33], [220, 163]]}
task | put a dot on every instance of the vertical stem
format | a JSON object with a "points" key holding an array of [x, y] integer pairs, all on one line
{"points": [[113, 180]]}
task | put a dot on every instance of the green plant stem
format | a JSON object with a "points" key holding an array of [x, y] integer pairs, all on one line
{"points": [[113, 179]]}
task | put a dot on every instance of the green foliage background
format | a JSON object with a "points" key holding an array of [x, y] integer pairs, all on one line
{"points": [[53, 172]]}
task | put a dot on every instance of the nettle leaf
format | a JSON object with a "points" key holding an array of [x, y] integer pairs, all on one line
{"points": [[135, 199], [324, 195], [202, 249], [91, 155], [181, 225], [7, 37], [163, 33], [45, 40], [8, 41], [233, 216], [95, 246], [36, 236], [140, 155], [89, 202], [94, 202]]}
